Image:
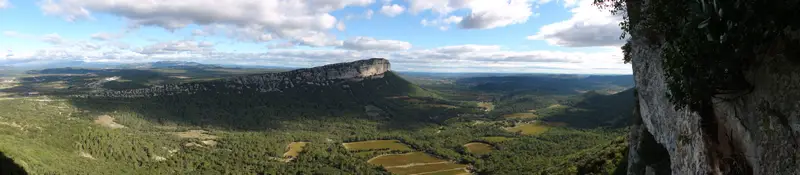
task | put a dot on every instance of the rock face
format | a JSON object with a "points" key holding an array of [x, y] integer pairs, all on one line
{"points": [[273, 82], [758, 133]]}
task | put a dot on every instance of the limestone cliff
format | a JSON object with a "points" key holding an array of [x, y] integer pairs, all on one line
{"points": [[272, 82], [758, 133]]}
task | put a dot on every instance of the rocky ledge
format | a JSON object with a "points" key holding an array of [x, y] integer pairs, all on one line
{"points": [[271, 82]]}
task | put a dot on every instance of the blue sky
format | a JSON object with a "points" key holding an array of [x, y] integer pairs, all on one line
{"points": [[552, 36]]}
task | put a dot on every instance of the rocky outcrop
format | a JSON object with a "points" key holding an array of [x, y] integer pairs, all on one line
{"points": [[272, 82], [755, 133]]}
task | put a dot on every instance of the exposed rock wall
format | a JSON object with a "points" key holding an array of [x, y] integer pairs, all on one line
{"points": [[271, 82], [758, 133]]}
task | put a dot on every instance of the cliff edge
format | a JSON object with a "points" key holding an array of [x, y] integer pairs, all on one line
{"points": [[271, 82], [753, 133]]}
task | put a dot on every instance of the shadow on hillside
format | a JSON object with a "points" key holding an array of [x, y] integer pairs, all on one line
{"points": [[301, 106], [597, 111], [9, 167], [64, 81]]}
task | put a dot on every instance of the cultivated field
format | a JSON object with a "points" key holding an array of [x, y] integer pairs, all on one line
{"points": [[417, 163], [393, 145], [528, 128], [440, 168]]}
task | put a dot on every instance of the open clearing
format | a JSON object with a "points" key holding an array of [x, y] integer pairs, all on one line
{"points": [[487, 106], [528, 128], [520, 116], [496, 139], [293, 149], [393, 145], [479, 148], [107, 121]]}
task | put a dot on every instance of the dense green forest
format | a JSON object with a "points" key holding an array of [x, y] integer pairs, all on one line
{"points": [[248, 132]]}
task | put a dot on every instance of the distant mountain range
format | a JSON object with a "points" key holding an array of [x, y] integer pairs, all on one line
{"points": [[40, 64]]}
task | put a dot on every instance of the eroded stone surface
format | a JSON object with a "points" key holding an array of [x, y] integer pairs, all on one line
{"points": [[762, 126]]}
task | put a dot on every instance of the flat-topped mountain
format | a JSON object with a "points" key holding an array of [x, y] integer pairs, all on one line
{"points": [[270, 82]]}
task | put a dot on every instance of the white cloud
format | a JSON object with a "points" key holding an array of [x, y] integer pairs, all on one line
{"points": [[200, 32], [283, 45], [340, 26], [10, 33], [284, 19], [459, 58], [588, 26], [182, 46], [367, 43], [368, 14], [443, 23], [392, 10], [485, 14], [104, 36], [4, 4], [53, 38], [493, 14]]}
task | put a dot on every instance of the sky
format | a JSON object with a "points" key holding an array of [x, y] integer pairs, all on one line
{"points": [[534, 36]]}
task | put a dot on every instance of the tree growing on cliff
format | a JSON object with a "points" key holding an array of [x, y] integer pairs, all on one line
{"points": [[707, 45]]}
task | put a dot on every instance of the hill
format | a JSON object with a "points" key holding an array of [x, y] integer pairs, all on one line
{"points": [[253, 101]]}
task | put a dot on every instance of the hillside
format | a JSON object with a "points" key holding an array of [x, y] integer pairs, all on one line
{"points": [[349, 118], [330, 90]]}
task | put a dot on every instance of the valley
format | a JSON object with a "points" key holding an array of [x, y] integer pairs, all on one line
{"points": [[347, 118]]}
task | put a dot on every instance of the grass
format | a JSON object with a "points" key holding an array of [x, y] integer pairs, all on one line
{"points": [[393, 145], [479, 148], [528, 128], [295, 148], [488, 106], [438, 168], [404, 159], [496, 139], [520, 116]]}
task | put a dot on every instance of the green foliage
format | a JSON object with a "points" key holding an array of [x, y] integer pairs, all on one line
{"points": [[708, 44]]}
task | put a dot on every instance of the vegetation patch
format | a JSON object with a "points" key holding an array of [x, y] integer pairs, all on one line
{"points": [[487, 106], [195, 134], [520, 116], [107, 121], [478, 148], [392, 145], [294, 149], [528, 128], [496, 139]]}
